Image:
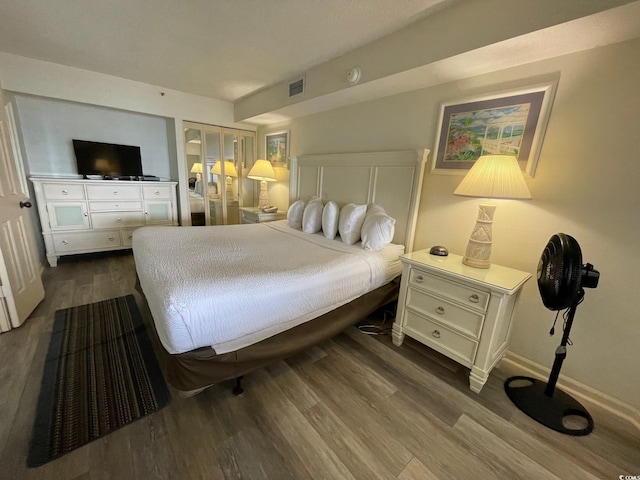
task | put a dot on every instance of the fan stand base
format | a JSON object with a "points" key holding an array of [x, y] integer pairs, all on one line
{"points": [[547, 410]]}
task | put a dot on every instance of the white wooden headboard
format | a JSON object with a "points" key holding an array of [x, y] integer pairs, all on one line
{"points": [[391, 179]]}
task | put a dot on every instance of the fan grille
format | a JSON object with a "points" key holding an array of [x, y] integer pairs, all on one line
{"points": [[559, 272]]}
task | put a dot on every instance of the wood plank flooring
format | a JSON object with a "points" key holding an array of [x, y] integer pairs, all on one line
{"points": [[355, 407]]}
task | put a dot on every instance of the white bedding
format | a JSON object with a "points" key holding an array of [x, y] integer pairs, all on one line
{"points": [[231, 286], [196, 202]]}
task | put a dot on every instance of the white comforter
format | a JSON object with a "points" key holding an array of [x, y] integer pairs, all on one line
{"points": [[229, 287]]}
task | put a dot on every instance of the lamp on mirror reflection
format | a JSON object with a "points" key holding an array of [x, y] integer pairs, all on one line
{"points": [[263, 171], [492, 176], [229, 171], [197, 169]]}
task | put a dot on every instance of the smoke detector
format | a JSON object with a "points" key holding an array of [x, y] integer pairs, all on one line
{"points": [[353, 76]]}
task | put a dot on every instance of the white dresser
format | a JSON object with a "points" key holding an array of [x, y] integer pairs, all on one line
{"points": [[462, 312], [82, 216]]}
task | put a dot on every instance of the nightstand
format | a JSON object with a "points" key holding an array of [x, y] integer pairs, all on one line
{"points": [[254, 215], [462, 312]]}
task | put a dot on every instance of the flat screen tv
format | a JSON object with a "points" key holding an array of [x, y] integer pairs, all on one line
{"points": [[107, 159]]}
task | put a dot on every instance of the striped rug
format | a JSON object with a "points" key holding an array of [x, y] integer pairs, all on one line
{"points": [[100, 374]]}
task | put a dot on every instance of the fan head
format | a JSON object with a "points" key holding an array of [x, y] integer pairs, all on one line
{"points": [[561, 274]]}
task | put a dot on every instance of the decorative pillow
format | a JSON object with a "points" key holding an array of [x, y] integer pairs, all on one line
{"points": [[330, 215], [295, 213], [375, 208], [377, 231], [312, 216], [350, 222]]}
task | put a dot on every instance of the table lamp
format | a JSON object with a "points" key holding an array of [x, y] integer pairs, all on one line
{"points": [[492, 176], [263, 171], [197, 169], [229, 171]]}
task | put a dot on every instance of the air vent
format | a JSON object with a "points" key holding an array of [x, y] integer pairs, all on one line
{"points": [[296, 88]]}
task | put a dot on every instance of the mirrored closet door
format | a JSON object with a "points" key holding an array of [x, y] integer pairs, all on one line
{"points": [[217, 161]]}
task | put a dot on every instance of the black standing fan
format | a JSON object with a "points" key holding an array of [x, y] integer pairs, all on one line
{"points": [[561, 280]]}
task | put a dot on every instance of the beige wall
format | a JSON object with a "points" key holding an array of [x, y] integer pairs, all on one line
{"points": [[586, 185]]}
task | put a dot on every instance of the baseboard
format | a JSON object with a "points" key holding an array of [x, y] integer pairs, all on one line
{"points": [[575, 388]]}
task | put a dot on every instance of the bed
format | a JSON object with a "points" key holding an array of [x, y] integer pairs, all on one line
{"points": [[258, 293]]}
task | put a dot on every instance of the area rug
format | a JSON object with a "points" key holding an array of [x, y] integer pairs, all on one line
{"points": [[100, 374]]}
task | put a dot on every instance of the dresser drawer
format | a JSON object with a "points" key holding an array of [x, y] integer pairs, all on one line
{"points": [[85, 241], [441, 339], [109, 206], [55, 191], [156, 191], [466, 321], [127, 236], [460, 293], [111, 192], [117, 219]]}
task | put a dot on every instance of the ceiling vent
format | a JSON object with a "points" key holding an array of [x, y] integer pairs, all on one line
{"points": [[296, 88]]}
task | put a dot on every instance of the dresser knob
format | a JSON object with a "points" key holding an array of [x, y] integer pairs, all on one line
{"points": [[419, 279], [64, 242], [64, 192], [115, 192], [157, 192], [474, 298], [440, 310], [86, 214], [436, 333], [119, 220], [111, 239]]}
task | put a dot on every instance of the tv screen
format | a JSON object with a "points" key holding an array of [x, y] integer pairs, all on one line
{"points": [[107, 159]]}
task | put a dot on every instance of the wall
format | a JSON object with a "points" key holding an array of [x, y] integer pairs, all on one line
{"points": [[586, 185], [48, 126]]}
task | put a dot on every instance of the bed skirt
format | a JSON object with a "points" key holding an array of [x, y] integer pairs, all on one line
{"points": [[202, 367]]}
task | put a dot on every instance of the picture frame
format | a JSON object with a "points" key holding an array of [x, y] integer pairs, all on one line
{"points": [[276, 148], [509, 122]]}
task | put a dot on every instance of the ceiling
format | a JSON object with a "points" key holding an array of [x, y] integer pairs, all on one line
{"points": [[216, 48]]}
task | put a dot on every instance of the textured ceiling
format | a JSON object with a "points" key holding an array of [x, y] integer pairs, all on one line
{"points": [[217, 48]]}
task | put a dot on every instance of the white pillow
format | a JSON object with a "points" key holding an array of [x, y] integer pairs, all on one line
{"points": [[350, 222], [295, 213], [312, 217], [375, 208], [330, 215], [377, 231]]}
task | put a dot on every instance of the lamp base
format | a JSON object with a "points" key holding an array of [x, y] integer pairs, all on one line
{"points": [[263, 200], [478, 253]]}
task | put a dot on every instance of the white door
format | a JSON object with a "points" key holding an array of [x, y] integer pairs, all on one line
{"points": [[20, 284]]}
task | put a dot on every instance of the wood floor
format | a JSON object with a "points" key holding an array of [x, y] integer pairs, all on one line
{"points": [[353, 407]]}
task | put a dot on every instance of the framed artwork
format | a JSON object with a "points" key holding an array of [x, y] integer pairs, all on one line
{"points": [[277, 148], [510, 123]]}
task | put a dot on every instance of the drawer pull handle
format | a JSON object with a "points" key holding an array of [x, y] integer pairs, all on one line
{"points": [[419, 279], [64, 192], [119, 220], [64, 242], [115, 192], [440, 310], [157, 192], [111, 239], [436, 333], [474, 298]]}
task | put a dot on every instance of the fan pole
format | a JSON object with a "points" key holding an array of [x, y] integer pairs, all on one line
{"points": [[545, 404], [561, 351]]}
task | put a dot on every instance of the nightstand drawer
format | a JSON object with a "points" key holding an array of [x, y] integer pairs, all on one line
{"points": [[460, 293], [466, 321], [449, 343]]}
